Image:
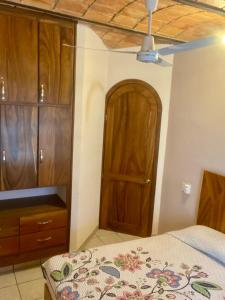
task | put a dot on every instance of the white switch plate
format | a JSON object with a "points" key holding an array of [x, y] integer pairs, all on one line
{"points": [[186, 188]]}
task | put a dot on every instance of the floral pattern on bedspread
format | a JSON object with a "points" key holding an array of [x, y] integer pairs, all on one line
{"points": [[134, 274]]}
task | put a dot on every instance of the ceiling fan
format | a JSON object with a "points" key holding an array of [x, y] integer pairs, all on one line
{"points": [[148, 53]]}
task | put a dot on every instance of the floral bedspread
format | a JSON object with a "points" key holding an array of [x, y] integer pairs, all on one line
{"points": [[159, 268]]}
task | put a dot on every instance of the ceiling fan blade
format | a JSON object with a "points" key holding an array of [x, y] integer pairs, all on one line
{"points": [[100, 49], [163, 63], [189, 45]]}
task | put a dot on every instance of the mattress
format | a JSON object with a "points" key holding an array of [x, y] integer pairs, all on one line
{"points": [[186, 265]]}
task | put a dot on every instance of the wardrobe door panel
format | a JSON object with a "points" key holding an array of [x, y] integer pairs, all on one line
{"points": [[56, 61], [22, 59], [54, 145], [19, 146], [3, 57]]}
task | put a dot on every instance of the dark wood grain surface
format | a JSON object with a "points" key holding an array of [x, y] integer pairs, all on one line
{"points": [[19, 141], [211, 211], [22, 58], [56, 55], [130, 157], [55, 143]]}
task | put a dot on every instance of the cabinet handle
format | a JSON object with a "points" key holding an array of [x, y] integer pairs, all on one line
{"points": [[44, 222], [44, 240], [42, 93], [3, 97], [41, 156], [3, 155]]}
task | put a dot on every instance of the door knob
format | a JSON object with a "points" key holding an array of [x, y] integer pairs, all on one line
{"points": [[3, 96], [147, 181]]}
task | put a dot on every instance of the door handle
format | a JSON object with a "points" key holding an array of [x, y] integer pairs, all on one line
{"points": [[41, 156], [42, 93], [3, 97], [147, 181], [3, 155]]}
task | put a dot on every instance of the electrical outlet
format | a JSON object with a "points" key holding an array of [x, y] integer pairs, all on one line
{"points": [[186, 188]]}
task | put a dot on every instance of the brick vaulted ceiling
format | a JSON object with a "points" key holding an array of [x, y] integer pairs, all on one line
{"points": [[174, 20]]}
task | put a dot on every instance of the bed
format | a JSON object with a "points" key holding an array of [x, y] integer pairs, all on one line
{"points": [[188, 264]]}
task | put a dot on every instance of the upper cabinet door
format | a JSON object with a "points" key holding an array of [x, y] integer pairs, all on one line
{"points": [[54, 145], [18, 146], [56, 60], [18, 59]]}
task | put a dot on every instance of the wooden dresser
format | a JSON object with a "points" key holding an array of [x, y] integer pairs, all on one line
{"points": [[36, 129]]}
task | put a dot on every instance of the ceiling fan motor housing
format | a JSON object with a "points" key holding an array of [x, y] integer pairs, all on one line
{"points": [[148, 56]]}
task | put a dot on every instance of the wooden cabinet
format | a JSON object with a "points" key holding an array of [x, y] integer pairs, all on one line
{"points": [[43, 221], [36, 121], [9, 246], [36, 118], [54, 145], [42, 239], [31, 224], [19, 146], [18, 58], [56, 48]]}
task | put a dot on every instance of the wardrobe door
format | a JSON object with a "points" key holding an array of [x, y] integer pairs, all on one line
{"points": [[56, 60], [18, 146], [19, 58], [3, 56], [54, 145]]}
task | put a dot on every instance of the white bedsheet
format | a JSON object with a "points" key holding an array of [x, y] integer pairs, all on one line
{"points": [[161, 267]]}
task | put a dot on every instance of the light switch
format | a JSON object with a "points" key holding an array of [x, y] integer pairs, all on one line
{"points": [[186, 188]]}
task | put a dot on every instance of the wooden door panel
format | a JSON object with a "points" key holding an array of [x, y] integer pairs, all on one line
{"points": [[22, 59], [130, 157], [133, 122], [19, 143], [55, 144], [56, 59], [127, 206], [3, 57]]}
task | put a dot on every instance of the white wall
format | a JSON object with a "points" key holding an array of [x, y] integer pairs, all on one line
{"points": [[196, 132], [96, 73], [90, 90]]}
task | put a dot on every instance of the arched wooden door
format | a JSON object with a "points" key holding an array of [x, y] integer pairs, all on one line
{"points": [[131, 138]]}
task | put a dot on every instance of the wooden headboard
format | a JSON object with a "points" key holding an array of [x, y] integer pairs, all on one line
{"points": [[211, 211]]}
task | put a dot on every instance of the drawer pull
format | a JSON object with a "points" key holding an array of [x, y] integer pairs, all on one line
{"points": [[44, 222], [44, 240]]}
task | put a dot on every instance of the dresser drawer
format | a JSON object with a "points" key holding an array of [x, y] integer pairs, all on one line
{"points": [[42, 222], [9, 246], [9, 226], [43, 239]]}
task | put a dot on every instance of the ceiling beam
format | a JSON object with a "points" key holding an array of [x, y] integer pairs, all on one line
{"points": [[159, 38], [203, 6]]}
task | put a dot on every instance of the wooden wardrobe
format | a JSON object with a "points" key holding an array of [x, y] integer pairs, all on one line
{"points": [[36, 128]]}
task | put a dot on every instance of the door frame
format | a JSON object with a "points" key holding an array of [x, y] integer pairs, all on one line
{"points": [[157, 139]]}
